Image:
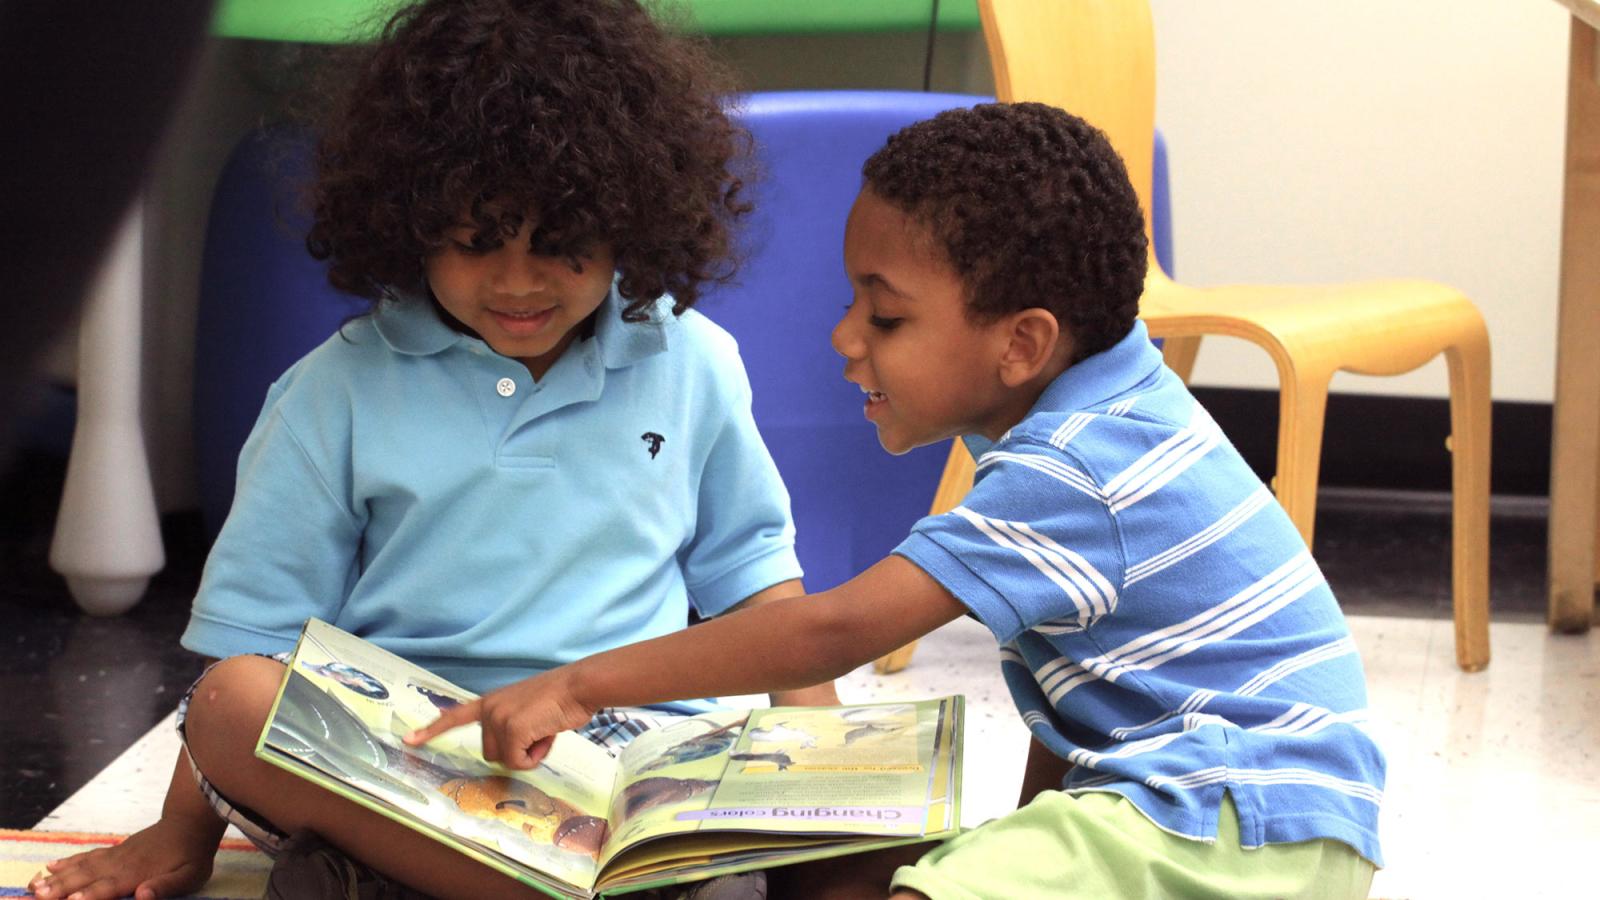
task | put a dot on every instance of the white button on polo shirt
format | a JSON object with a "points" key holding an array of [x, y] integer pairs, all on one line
{"points": [[506, 387]]}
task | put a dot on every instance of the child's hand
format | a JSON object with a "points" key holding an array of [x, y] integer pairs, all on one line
{"points": [[519, 720]]}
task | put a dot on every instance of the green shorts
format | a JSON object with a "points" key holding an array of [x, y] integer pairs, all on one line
{"points": [[1098, 845]]}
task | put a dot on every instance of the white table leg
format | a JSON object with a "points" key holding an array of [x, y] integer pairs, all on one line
{"points": [[108, 538]]}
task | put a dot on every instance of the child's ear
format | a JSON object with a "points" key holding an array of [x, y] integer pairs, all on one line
{"points": [[1034, 342]]}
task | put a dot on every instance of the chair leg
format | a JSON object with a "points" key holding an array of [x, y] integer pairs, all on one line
{"points": [[1470, 405], [1179, 354], [895, 660], [954, 484], [1302, 406]]}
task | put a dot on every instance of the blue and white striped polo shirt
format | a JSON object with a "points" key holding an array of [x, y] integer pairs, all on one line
{"points": [[1162, 625]]}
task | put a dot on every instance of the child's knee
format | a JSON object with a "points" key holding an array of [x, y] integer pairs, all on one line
{"points": [[228, 707]]}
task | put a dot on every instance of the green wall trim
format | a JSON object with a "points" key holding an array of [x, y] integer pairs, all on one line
{"points": [[338, 21]]}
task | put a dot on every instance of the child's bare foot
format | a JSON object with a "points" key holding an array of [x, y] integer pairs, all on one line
{"points": [[167, 859]]}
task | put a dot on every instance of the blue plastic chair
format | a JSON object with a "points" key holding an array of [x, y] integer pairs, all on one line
{"points": [[1161, 208], [852, 501], [264, 303]]}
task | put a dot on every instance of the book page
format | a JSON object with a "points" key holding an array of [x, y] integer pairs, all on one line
{"points": [[344, 707], [670, 770], [702, 854], [867, 770], [853, 769]]}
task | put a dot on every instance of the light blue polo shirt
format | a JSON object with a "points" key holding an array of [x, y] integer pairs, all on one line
{"points": [[409, 484], [1162, 625]]}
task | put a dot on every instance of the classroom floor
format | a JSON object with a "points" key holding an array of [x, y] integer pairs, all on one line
{"points": [[1493, 786]]}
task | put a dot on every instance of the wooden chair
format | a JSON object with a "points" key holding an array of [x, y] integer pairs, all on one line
{"points": [[1096, 59]]}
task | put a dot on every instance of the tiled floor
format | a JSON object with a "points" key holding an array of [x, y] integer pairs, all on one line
{"points": [[1493, 789]]}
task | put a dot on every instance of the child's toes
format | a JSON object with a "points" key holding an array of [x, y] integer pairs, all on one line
{"points": [[68, 883], [99, 889], [66, 862]]}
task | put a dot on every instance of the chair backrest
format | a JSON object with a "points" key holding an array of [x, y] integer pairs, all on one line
{"points": [[852, 501], [264, 302], [1093, 58]]}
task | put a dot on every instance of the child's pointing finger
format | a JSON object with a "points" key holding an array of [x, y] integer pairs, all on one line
{"points": [[454, 717]]}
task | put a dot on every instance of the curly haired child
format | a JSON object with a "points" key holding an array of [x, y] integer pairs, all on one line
{"points": [[530, 449], [1195, 700]]}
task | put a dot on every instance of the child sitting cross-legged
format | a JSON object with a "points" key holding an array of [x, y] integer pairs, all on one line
{"points": [[531, 448], [1196, 702]]}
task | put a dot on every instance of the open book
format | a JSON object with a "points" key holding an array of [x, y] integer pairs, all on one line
{"points": [[719, 792]]}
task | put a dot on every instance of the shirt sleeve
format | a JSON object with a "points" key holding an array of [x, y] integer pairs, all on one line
{"points": [[1033, 545], [744, 531], [288, 550]]}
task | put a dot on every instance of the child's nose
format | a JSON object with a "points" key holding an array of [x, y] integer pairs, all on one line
{"points": [[846, 337], [521, 272]]}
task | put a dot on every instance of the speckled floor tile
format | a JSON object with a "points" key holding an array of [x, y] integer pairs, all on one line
{"points": [[1493, 785]]}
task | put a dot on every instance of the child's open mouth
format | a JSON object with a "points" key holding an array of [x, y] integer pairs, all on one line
{"points": [[875, 402]]}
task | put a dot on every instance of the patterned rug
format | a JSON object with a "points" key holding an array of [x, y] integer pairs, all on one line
{"points": [[241, 869]]}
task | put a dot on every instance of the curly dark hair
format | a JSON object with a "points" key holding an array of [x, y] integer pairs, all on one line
{"points": [[588, 114], [1032, 207]]}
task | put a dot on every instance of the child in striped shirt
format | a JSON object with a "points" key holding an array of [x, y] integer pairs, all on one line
{"points": [[1196, 702]]}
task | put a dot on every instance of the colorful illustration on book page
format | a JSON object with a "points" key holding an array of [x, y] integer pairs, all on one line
{"points": [[681, 744], [849, 770], [541, 817], [860, 738], [672, 769], [343, 711]]}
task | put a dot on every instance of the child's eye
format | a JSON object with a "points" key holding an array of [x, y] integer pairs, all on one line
{"points": [[471, 243], [886, 324]]}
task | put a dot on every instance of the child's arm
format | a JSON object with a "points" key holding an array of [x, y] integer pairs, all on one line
{"points": [[817, 695], [1044, 772], [784, 644]]}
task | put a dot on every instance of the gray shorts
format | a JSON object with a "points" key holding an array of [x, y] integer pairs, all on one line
{"points": [[611, 728]]}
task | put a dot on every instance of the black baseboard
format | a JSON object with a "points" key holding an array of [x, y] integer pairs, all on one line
{"points": [[1390, 443]]}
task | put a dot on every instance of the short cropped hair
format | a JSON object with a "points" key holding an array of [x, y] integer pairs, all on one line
{"points": [[587, 114], [1031, 206]]}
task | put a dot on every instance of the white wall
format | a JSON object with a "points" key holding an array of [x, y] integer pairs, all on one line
{"points": [[1325, 142], [1367, 139]]}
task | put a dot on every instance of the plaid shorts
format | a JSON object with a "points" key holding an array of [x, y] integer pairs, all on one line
{"points": [[611, 728]]}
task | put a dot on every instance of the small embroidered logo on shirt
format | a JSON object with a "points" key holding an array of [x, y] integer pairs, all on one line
{"points": [[654, 440]]}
